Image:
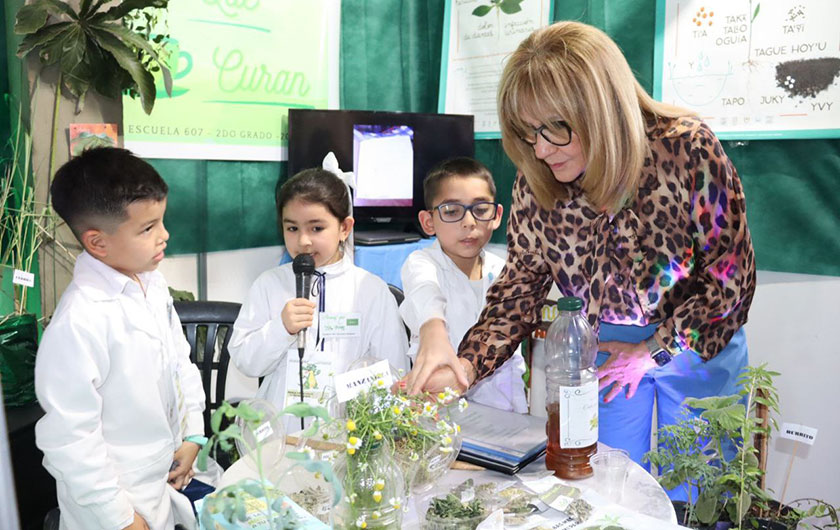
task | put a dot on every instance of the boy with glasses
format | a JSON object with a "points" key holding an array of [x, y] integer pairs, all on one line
{"points": [[445, 283]]}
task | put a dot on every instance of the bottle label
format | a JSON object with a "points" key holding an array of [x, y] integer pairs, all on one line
{"points": [[579, 415]]}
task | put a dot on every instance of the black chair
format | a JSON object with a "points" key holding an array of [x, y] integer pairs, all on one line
{"points": [[398, 293], [208, 326]]}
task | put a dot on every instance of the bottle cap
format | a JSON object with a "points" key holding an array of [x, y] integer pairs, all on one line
{"points": [[570, 303]]}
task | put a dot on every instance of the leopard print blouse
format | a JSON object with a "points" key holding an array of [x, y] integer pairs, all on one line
{"points": [[679, 255]]}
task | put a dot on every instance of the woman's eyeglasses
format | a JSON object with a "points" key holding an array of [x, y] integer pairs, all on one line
{"points": [[452, 212], [557, 133]]}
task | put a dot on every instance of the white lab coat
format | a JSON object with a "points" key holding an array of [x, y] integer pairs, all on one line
{"points": [[436, 288], [259, 343], [105, 375]]}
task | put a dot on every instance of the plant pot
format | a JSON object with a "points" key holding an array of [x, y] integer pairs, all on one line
{"points": [[18, 347], [771, 522], [680, 509]]}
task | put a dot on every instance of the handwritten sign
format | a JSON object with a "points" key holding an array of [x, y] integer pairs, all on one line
{"points": [[799, 433], [752, 70], [237, 68], [477, 37], [350, 384]]}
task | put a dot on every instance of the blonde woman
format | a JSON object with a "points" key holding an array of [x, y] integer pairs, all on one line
{"points": [[629, 204]]}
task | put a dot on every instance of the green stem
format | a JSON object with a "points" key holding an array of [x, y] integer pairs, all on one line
{"points": [[54, 132]]}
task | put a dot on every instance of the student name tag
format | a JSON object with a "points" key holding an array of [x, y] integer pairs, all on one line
{"points": [[350, 384], [27, 279], [341, 324], [799, 433], [317, 378]]}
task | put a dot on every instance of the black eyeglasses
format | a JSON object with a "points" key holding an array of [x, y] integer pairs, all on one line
{"points": [[556, 133], [452, 212]]}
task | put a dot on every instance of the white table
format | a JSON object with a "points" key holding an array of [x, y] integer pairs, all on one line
{"points": [[642, 493]]}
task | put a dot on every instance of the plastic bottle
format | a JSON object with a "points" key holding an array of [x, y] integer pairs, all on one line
{"points": [[571, 399]]}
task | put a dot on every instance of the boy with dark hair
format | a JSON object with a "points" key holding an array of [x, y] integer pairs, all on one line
{"points": [[123, 402], [445, 283]]}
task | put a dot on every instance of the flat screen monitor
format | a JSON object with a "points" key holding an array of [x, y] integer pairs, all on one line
{"points": [[389, 152]]}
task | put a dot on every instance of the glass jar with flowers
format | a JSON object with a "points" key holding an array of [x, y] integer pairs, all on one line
{"points": [[427, 438]]}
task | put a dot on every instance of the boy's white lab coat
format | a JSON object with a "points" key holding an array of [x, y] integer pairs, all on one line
{"points": [[259, 343], [105, 375], [436, 288]]}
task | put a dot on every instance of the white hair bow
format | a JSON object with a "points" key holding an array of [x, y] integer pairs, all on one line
{"points": [[330, 164]]}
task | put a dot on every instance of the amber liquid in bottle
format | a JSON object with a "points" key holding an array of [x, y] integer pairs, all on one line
{"points": [[566, 463]]}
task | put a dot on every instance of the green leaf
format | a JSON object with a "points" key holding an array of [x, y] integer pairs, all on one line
{"points": [[480, 11], [741, 504], [729, 418], [755, 13], [30, 18], [126, 6], [42, 37], [510, 7], [201, 460], [305, 410], [706, 509], [712, 402], [84, 7], [133, 39], [216, 420]]}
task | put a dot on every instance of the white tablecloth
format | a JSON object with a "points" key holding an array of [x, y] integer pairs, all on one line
{"points": [[642, 493]]}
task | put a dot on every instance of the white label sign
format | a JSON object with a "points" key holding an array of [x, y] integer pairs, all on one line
{"points": [[263, 431], [579, 415], [27, 279], [350, 384], [342, 325], [799, 433]]}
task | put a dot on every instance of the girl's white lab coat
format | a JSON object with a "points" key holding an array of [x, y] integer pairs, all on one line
{"points": [[436, 288], [259, 343], [105, 375]]}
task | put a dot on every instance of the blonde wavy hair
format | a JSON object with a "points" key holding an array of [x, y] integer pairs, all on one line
{"points": [[574, 72]]}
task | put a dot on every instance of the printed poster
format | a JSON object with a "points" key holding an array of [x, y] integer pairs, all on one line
{"points": [[91, 135], [237, 68], [478, 35], [752, 69]]}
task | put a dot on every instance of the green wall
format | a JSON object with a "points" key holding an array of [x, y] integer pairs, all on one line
{"points": [[390, 60]]}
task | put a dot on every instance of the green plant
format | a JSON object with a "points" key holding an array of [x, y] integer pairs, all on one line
{"points": [[378, 420], [93, 48], [796, 512], [233, 501], [25, 223], [713, 452], [110, 51]]}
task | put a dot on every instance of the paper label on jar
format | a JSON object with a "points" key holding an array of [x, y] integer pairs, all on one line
{"points": [[579, 415]]}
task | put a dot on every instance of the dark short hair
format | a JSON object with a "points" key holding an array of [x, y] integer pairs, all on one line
{"points": [[463, 167], [315, 186], [99, 184]]}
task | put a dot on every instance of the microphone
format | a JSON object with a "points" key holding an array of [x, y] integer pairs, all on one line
{"points": [[303, 267]]}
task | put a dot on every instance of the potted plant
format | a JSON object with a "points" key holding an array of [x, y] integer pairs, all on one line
{"points": [[24, 225], [258, 503], [713, 455]]}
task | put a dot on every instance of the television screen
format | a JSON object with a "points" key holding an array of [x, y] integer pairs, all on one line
{"points": [[389, 152]]}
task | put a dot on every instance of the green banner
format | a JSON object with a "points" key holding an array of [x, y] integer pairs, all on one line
{"points": [[237, 67]]}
